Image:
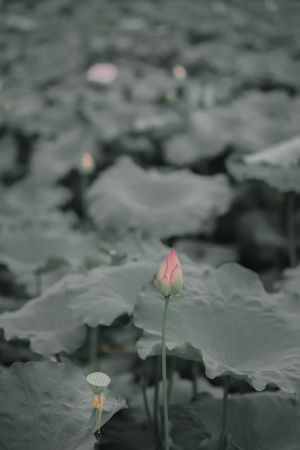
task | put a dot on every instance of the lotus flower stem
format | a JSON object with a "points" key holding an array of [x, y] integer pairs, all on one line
{"points": [[195, 374], [291, 229], [164, 374], [169, 281], [146, 404], [83, 189], [171, 378], [38, 283], [224, 414], [86, 168], [156, 406], [93, 347]]}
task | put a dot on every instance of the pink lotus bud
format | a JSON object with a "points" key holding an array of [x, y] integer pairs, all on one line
{"points": [[87, 163], [169, 279], [102, 73], [179, 72]]}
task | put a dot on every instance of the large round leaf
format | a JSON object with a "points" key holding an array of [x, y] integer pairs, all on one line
{"points": [[227, 320], [255, 422], [282, 179], [164, 204], [283, 155], [57, 157], [46, 322], [202, 251], [8, 214], [106, 293], [136, 247], [291, 280], [201, 141], [28, 248], [48, 405], [263, 119], [278, 166], [34, 194]]}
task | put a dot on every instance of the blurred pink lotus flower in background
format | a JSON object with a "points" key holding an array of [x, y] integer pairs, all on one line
{"points": [[102, 73], [169, 279], [179, 72]]}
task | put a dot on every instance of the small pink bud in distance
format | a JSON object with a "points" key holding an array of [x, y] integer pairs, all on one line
{"points": [[169, 279], [87, 163], [102, 73], [179, 72]]}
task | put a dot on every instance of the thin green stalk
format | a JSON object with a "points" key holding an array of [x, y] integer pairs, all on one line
{"points": [[195, 374], [224, 414], [146, 404], [93, 347], [171, 378], [83, 188], [164, 375], [291, 229], [156, 406], [38, 283]]}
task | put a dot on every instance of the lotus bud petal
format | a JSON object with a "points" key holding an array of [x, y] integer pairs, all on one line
{"points": [[169, 279]]}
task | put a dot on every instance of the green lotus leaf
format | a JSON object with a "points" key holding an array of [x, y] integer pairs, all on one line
{"points": [[283, 179], [57, 157], [200, 140], [8, 214], [255, 422], [136, 247], [225, 319], [9, 304], [214, 444], [288, 294], [291, 280], [106, 293], [209, 252], [262, 120], [33, 247], [278, 166], [283, 155], [35, 195], [46, 322], [274, 67], [128, 197], [48, 405]]}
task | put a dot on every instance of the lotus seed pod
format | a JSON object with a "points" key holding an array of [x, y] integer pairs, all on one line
{"points": [[98, 382]]}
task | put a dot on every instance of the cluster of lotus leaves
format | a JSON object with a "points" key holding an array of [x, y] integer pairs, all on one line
{"points": [[30, 198], [33, 246], [225, 319], [46, 322], [55, 321], [33, 194], [278, 166], [49, 405], [127, 197], [255, 422]]}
